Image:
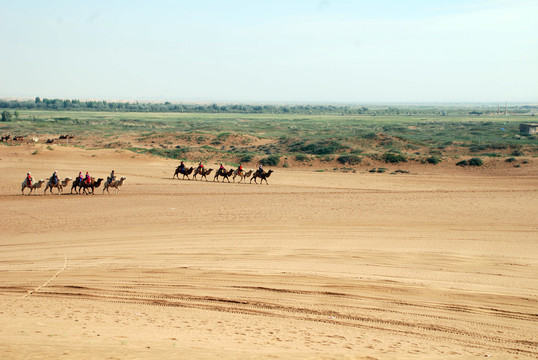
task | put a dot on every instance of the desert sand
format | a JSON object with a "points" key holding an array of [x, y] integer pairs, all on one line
{"points": [[440, 263]]}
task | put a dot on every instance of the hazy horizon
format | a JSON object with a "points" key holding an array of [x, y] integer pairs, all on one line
{"points": [[303, 52]]}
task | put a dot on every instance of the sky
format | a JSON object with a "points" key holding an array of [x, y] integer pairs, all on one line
{"points": [[329, 51]]}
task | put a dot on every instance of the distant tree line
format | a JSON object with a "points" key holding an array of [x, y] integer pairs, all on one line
{"points": [[74, 105], [66, 104]]}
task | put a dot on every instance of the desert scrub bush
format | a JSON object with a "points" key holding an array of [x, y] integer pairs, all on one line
{"points": [[169, 153], [326, 158], [517, 153], [35, 152], [475, 162], [433, 160], [471, 162], [322, 147], [370, 136], [245, 158], [349, 159], [272, 160], [510, 159], [301, 157], [391, 157]]}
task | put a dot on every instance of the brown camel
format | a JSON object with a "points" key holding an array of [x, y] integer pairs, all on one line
{"points": [[242, 174], [76, 184], [225, 174], [203, 173], [33, 186], [91, 185], [115, 184], [59, 185], [262, 175], [186, 172]]}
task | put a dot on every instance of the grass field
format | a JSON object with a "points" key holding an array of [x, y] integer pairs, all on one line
{"points": [[236, 137]]}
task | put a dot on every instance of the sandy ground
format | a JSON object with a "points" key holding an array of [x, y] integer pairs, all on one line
{"points": [[428, 265]]}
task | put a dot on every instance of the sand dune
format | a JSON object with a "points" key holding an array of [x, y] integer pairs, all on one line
{"points": [[433, 264]]}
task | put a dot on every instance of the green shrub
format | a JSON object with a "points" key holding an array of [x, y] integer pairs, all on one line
{"points": [[327, 158], [349, 159], [471, 162], [390, 157], [510, 159], [272, 160], [433, 160], [244, 158], [323, 147], [475, 162], [301, 157], [517, 153], [370, 136]]}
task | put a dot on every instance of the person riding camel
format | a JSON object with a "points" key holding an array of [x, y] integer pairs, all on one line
{"points": [[54, 178], [112, 177], [222, 169], [240, 169], [87, 178], [29, 179], [182, 168], [200, 166], [80, 177], [260, 169]]}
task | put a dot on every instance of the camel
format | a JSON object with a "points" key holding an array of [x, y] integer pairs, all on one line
{"points": [[262, 175], [92, 185], [76, 183], [115, 184], [242, 175], [225, 174], [60, 185], [186, 172], [33, 186], [203, 173]]}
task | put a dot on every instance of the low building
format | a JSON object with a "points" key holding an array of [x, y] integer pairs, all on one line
{"points": [[528, 128]]}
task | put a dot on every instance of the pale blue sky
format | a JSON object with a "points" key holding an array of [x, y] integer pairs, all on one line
{"points": [[271, 51]]}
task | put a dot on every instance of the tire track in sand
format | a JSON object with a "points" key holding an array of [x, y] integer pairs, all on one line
{"points": [[48, 281]]}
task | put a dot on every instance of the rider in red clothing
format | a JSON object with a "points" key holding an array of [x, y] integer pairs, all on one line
{"points": [[29, 179], [87, 178]]}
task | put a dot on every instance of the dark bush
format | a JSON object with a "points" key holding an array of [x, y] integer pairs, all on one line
{"points": [[301, 157], [272, 160], [475, 162], [370, 136], [510, 159], [323, 147], [517, 153], [349, 159], [390, 157], [433, 160], [462, 163], [244, 158]]}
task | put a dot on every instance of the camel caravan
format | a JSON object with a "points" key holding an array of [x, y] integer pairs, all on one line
{"points": [[223, 173], [81, 185], [87, 184]]}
